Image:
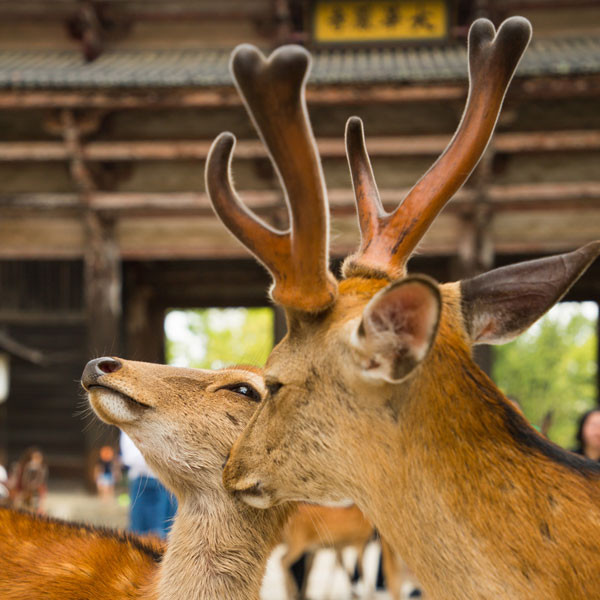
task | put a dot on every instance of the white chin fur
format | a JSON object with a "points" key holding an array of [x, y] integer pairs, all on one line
{"points": [[261, 502], [344, 503], [112, 406]]}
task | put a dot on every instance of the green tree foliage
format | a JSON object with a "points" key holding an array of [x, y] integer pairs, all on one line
{"points": [[552, 367], [212, 338]]}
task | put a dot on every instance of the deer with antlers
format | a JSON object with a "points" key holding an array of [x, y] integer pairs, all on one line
{"points": [[373, 395], [184, 421]]}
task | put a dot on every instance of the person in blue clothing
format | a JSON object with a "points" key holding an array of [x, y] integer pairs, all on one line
{"points": [[152, 506]]}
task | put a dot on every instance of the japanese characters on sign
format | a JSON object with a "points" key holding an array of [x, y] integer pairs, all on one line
{"points": [[361, 21]]}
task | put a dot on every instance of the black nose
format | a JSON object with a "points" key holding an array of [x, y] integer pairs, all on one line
{"points": [[98, 367]]}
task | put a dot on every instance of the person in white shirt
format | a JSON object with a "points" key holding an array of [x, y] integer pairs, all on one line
{"points": [[152, 506], [4, 493]]}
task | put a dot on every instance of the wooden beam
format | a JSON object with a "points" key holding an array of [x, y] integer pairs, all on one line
{"points": [[119, 99], [15, 348], [146, 203], [503, 198], [19, 317], [143, 203], [32, 151], [194, 236], [40, 202], [186, 150], [215, 97], [219, 96], [33, 10], [547, 141], [423, 145], [551, 196], [511, 7]]}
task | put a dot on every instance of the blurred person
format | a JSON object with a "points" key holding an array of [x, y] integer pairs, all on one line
{"points": [[588, 434], [105, 473], [4, 493], [28, 481], [152, 507]]}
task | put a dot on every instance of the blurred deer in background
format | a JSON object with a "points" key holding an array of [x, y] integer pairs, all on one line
{"points": [[373, 393], [313, 528], [184, 421]]}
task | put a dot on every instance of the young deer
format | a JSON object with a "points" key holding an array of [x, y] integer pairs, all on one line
{"points": [[184, 421], [373, 394]]}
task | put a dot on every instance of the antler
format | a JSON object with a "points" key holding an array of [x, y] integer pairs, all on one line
{"points": [[388, 239], [273, 91]]}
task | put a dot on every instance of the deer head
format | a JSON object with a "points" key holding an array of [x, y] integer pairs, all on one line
{"points": [[184, 422], [373, 394], [173, 414]]}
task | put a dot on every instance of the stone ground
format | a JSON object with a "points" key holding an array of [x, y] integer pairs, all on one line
{"points": [[327, 582]]}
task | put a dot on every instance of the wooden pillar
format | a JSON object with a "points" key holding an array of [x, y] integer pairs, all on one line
{"points": [[102, 263], [102, 279], [476, 248], [144, 325], [103, 287], [281, 13], [476, 255]]}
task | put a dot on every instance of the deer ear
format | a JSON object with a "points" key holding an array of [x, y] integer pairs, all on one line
{"points": [[499, 305], [398, 328]]}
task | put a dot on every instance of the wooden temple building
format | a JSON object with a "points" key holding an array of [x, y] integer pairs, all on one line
{"points": [[107, 112]]}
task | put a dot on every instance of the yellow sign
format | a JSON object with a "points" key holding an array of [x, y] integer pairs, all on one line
{"points": [[360, 21]]}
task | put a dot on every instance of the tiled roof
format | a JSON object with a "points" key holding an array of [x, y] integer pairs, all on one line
{"points": [[48, 69]]}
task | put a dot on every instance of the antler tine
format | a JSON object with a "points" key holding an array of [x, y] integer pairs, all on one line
{"points": [[254, 233], [493, 58], [273, 91], [371, 213]]}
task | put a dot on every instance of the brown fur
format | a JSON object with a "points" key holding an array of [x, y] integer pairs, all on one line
{"points": [[184, 421], [478, 503], [47, 558]]}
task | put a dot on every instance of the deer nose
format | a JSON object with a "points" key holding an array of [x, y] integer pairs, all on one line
{"points": [[98, 367]]}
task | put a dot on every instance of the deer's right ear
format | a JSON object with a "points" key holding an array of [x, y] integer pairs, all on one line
{"points": [[398, 328], [499, 305]]}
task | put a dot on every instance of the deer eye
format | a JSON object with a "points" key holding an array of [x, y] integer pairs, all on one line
{"points": [[244, 389], [274, 387]]}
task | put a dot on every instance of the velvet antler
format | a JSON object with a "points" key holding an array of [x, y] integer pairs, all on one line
{"points": [[273, 91], [388, 239]]}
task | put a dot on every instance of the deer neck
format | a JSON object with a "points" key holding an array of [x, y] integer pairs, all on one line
{"points": [[479, 495], [218, 548]]}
